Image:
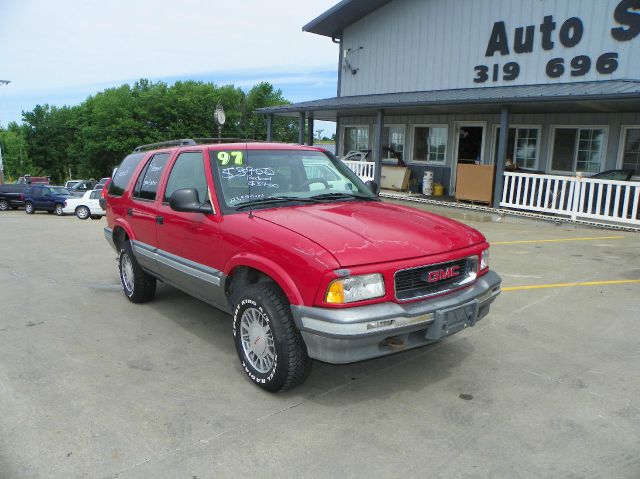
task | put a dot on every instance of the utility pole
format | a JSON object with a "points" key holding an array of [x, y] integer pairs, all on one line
{"points": [[2, 82]]}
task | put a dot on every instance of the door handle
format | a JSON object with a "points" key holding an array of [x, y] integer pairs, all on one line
{"points": [[159, 220], [129, 212]]}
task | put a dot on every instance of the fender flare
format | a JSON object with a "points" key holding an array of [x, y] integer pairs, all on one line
{"points": [[120, 223], [269, 268]]}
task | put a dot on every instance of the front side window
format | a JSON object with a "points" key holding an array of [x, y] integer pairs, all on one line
{"points": [[356, 138], [578, 149], [147, 184], [430, 144], [522, 146], [285, 177], [188, 172], [631, 150]]}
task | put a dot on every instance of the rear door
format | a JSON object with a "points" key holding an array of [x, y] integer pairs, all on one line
{"points": [[188, 242], [141, 212]]}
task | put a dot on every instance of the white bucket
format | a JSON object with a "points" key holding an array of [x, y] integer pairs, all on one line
{"points": [[427, 183]]}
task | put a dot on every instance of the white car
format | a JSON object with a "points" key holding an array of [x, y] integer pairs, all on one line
{"points": [[86, 207]]}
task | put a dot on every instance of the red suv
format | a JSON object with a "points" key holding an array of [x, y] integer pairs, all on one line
{"points": [[307, 259]]}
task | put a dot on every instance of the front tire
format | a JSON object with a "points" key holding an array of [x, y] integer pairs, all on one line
{"points": [[28, 208], [82, 212], [4, 205], [138, 286], [270, 347], [58, 209]]}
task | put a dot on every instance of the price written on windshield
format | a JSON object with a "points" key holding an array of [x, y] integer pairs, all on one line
{"points": [[227, 157]]}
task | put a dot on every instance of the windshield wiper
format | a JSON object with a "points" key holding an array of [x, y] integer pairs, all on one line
{"points": [[273, 200], [339, 196]]}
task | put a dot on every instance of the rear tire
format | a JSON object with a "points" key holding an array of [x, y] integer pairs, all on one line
{"points": [[28, 208], [270, 347], [4, 205], [82, 212], [138, 286], [58, 209]]}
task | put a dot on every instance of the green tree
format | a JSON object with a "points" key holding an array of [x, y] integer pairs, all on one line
{"points": [[90, 139], [15, 155]]}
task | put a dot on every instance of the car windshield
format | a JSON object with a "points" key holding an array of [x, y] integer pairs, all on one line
{"points": [[282, 177], [59, 190]]}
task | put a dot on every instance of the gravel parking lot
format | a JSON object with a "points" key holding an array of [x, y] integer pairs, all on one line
{"points": [[94, 386]]}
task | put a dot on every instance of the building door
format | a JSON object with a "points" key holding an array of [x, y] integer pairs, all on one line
{"points": [[469, 140]]}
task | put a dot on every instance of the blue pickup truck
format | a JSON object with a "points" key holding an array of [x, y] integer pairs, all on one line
{"points": [[46, 198]]}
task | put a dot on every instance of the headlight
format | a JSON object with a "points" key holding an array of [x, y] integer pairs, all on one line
{"points": [[484, 262], [355, 288]]}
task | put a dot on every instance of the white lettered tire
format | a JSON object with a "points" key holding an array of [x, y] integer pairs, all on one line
{"points": [[137, 285], [270, 347]]}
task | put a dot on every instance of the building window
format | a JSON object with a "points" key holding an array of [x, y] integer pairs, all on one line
{"points": [[356, 138], [393, 143], [578, 149], [522, 146], [631, 150], [430, 144]]}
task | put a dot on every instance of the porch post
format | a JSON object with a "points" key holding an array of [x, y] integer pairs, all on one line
{"points": [[270, 127], [310, 130], [502, 155], [377, 146], [301, 128]]}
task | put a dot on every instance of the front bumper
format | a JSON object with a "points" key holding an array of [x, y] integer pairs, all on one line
{"points": [[341, 336]]}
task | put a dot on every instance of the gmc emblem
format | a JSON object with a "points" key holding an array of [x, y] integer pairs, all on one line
{"points": [[441, 274]]}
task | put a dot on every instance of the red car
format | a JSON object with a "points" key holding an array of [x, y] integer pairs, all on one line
{"points": [[304, 255]]}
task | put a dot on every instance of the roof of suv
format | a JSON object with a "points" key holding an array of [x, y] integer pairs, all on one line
{"points": [[230, 146]]}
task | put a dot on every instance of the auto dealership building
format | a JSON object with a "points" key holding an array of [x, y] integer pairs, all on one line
{"points": [[546, 85]]}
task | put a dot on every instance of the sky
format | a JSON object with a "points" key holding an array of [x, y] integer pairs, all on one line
{"points": [[59, 52]]}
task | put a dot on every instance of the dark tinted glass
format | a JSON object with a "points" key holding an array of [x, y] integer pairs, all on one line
{"points": [[187, 172], [147, 183], [124, 174]]}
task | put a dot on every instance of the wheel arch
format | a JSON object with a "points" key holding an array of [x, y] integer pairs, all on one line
{"points": [[121, 233], [250, 269]]}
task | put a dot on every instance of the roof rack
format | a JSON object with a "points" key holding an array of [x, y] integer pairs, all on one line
{"points": [[206, 141], [194, 141], [153, 146]]}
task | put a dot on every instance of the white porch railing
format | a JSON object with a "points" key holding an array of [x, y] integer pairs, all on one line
{"points": [[364, 169], [576, 197]]}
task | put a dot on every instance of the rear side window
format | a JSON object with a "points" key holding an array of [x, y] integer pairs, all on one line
{"points": [[147, 184], [188, 172], [124, 174]]}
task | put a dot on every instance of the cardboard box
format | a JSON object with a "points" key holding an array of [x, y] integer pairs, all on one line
{"points": [[475, 182], [395, 178]]}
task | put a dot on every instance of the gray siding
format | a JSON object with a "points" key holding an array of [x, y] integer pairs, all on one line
{"points": [[422, 45]]}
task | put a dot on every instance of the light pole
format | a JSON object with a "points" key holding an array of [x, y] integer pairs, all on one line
{"points": [[2, 82]]}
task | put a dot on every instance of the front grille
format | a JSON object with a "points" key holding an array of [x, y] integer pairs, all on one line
{"points": [[428, 280]]}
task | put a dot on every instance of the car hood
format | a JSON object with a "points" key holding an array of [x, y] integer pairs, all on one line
{"points": [[364, 232]]}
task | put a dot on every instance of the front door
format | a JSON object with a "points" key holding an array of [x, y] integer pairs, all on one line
{"points": [[469, 146], [188, 242]]}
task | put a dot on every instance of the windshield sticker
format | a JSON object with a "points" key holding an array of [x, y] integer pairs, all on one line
{"points": [[226, 157], [241, 198]]}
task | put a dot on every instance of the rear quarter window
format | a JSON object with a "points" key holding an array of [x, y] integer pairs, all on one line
{"points": [[125, 172]]}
